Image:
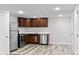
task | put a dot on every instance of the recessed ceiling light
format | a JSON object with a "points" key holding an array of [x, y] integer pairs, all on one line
{"points": [[34, 17], [56, 8], [60, 15], [20, 12]]}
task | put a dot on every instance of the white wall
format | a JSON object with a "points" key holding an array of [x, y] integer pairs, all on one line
{"points": [[13, 19], [13, 23], [59, 28]]}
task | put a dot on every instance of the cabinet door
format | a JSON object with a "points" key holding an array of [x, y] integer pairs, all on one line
{"points": [[36, 38], [27, 39], [43, 22], [23, 22], [19, 22], [32, 39], [39, 22], [34, 22], [27, 22]]}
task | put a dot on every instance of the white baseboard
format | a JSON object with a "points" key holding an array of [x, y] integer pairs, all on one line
{"points": [[61, 43], [76, 52]]}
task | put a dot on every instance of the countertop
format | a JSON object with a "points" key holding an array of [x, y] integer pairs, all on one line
{"points": [[34, 32]]}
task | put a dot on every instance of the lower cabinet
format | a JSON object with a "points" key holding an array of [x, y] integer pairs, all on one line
{"points": [[36, 39], [32, 39]]}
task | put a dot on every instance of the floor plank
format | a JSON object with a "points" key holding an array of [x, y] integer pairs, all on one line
{"points": [[35, 49]]}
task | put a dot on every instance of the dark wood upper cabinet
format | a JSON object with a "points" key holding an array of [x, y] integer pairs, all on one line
{"points": [[39, 22], [35, 22], [43, 22], [23, 22], [32, 22]]}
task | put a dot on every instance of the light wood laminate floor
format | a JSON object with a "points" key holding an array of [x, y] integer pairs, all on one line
{"points": [[35, 49]]}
